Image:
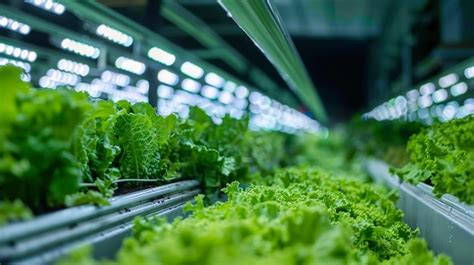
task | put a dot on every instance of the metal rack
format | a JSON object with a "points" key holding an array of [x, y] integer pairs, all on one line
{"points": [[52, 236], [445, 223]]}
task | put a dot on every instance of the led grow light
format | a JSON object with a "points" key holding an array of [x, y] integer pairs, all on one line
{"points": [[14, 25], [114, 35], [241, 92], [459, 89], [130, 65], [167, 77], [427, 89], [165, 91], [209, 92], [161, 56], [80, 48], [192, 70], [226, 97], [448, 80], [440, 95], [73, 67], [143, 86], [191, 85], [469, 72], [23, 65], [115, 78], [48, 5], [17, 52], [214, 80]]}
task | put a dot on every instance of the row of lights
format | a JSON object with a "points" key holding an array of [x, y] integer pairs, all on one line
{"points": [[23, 65], [80, 48], [130, 65], [416, 102], [114, 35], [14, 25], [73, 67], [17, 52], [48, 5]]}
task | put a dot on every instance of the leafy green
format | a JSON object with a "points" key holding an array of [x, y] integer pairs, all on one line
{"points": [[443, 155], [14, 211], [296, 216], [36, 163]]}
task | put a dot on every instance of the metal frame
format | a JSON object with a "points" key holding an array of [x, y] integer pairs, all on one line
{"points": [[445, 223], [48, 238]]}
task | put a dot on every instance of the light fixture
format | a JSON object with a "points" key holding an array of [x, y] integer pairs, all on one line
{"points": [[448, 80], [48, 5], [427, 89], [14, 25], [80, 48], [191, 85], [192, 70], [241, 92], [167, 77], [17, 52], [25, 66], [459, 89], [226, 97], [469, 72], [440, 95], [165, 91], [214, 80], [130, 65], [114, 35], [161, 56], [73, 67], [115, 78], [209, 92]]}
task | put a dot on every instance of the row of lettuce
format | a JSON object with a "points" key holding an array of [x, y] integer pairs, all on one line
{"points": [[58, 148], [441, 155], [296, 215]]}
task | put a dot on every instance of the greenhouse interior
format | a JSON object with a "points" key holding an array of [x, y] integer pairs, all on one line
{"points": [[210, 132]]}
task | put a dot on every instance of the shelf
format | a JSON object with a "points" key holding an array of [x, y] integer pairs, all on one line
{"points": [[47, 238], [445, 223]]}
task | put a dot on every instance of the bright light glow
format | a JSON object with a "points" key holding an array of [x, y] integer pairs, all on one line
{"points": [[425, 101], [14, 25], [143, 86], [23, 65], [167, 77], [19, 53], [209, 92], [80, 48], [440, 95], [459, 89], [165, 91], [54, 78], [230, 86], [469, 72], [214, 80], [161, 56], [413, 95], [241, 92], [427, 89], [449, 112], [226, 97], [115, 78], [48, 5], [191, 85], [114, 35], [192, 70], [73, 67], [130, 65], [448, 80]]}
